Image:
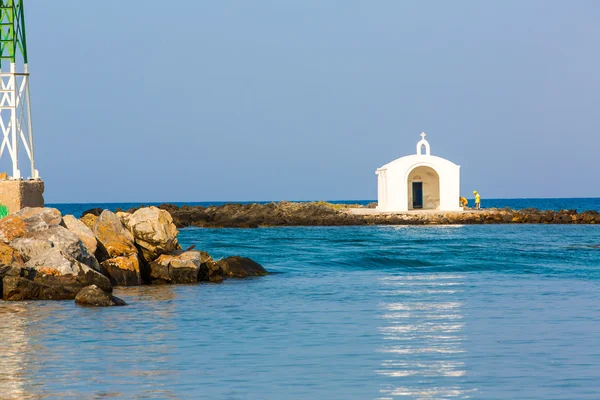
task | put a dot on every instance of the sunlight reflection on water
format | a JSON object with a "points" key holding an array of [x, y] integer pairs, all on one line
{"points": [[425, 336]]}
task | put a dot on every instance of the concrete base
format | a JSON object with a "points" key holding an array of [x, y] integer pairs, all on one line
{"points": [[17, 194], [374, 211]]}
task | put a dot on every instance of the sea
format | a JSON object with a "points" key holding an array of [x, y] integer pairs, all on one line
{"points": [[369, 312]]}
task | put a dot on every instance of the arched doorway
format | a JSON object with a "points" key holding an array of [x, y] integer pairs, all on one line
{"points": [[423, 189]]}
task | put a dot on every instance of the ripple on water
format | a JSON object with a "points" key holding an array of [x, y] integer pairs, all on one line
{"points": [[352, 313]]}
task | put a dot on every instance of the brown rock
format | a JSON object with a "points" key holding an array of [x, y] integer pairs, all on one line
{"points": [[240, 267], [89, 220], [17, 288], [93, 211], [124, 270], [9, 256], [185, 267], [11, 227], [209, 270], [114, 240], [96, 297], [11, 263]]}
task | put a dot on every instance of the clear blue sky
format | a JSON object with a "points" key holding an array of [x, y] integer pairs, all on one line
{"points": [[267, 100]]}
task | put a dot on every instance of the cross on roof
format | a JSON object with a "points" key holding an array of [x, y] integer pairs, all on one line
{"points": [[423, 134]]}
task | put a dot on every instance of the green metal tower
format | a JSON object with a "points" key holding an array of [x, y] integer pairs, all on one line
{"points": [[15, 107], [13, 40]]}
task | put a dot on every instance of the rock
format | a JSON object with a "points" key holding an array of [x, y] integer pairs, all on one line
{"points": [[11, 263], [10, 256], [240, 267], [92, 211], [36, 243], [209, 270], [184, 267], [325, 214], [58, 263], [84, 233], [96, 297], [123, 216], [51, 275], [154, 232], [18, 288], [28, 220], [11, 227], [114, 240], [89, 220], [39, 219], [124, 270]]}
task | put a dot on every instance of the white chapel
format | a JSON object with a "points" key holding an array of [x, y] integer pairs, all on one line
{"points": [[419, 182]]}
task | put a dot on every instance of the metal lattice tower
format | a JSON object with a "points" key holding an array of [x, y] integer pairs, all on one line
{"points": [[15, 106]]}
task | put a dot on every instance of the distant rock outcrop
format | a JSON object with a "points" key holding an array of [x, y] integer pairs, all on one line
{"points": [[320, 213]]}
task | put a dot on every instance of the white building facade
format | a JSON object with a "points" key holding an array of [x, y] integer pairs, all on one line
{"points": [[419, 182]]}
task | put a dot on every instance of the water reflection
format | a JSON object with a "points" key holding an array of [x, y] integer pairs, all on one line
{"points": [[64, 350], [423, 332], [14, 347]]}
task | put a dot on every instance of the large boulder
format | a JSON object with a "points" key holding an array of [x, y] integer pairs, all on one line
{"points": [[11, 228], [89, 220], [27, 220], [96, 297], [39, 218], [210, 271], [11, 262], [240, 267], [153, 230], [52, 275], [184, 267], [9, 256], [81, 230], [125, 270], [35, 243], [18, 288], [114, 240]]}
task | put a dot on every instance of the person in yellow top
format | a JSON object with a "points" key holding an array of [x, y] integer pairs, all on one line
{"points": [[477, 199], [463, 201]]}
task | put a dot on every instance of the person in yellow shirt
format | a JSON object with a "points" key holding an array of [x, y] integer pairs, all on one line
{"points": [[477, 199], [463, 201]]}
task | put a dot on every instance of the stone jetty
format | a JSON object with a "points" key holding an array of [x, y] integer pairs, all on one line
{"points": [[47, 256], [327, 214]]}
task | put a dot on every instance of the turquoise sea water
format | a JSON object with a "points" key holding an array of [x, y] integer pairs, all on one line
{"points": [[482, 312], [543, 204]]}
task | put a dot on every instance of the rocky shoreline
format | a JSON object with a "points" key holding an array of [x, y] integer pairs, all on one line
{"points": [[328, 214], [45, 256]]}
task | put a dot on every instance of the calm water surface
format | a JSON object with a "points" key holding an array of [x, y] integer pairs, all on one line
{"points": [[484, 312]]}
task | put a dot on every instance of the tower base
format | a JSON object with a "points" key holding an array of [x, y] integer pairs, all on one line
{"points": [[18, 194]]}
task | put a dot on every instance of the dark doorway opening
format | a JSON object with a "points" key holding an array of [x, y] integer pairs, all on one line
{"points": [[417, 189]]}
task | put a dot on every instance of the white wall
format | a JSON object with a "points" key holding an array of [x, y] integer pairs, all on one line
{"points": [[394, 177]]}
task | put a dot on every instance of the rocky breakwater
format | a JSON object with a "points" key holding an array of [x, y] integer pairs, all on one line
{"points": [[327, 214], [45, 256]]}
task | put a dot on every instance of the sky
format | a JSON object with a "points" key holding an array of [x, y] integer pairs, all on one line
{"points": [[226, 100]]}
